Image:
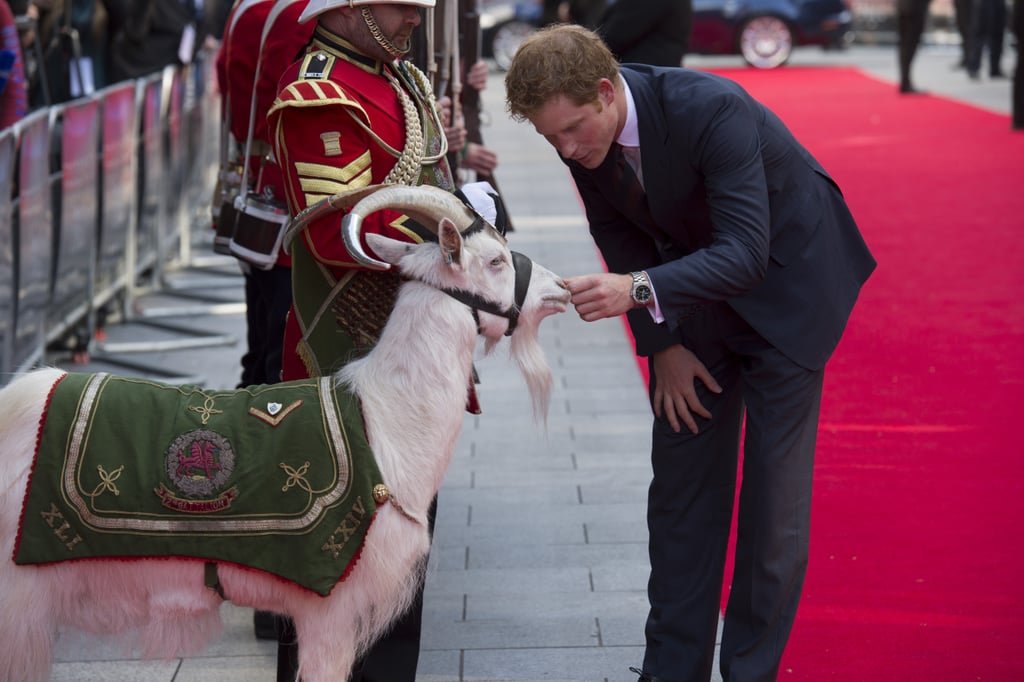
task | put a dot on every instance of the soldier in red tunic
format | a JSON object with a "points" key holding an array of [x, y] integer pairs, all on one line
{"points": [[351, 113], [270, 28]]}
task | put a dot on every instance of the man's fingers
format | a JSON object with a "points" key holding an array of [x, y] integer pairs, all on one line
{"points": [[697, 406], [676, 411], [671, 414], [708, 378]]}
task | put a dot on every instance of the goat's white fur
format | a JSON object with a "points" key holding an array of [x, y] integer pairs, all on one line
{"points": [[413, 388]]}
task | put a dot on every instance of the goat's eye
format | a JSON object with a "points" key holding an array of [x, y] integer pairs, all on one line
{"points": [[497, 261]]}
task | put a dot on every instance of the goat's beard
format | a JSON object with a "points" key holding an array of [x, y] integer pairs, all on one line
{"points": [[532, 362]]}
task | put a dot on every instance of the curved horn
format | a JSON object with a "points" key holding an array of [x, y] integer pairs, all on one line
{"points": [[425, 204], [319, 210]]}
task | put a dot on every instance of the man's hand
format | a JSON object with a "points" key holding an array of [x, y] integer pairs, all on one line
{"points": [[602, 295], [479, 158], [454, 131], [675, 393], [476, 75]]}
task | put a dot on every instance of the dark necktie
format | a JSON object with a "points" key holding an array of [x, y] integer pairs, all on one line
{"points": [[631, 198], [627, 186]]}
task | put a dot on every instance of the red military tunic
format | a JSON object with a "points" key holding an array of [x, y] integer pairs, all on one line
{"points": [[236, 71], [339, 124]]}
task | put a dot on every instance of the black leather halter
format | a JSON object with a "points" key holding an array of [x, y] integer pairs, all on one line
{"points": [[524, 270]]}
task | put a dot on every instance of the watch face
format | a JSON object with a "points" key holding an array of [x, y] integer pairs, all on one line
{"points": [[642, 293]]}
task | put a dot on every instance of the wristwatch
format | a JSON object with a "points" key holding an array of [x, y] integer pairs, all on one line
{"points": [[641, 291]]}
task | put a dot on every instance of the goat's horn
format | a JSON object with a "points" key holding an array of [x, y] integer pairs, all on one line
{"points": [[425, 204]]}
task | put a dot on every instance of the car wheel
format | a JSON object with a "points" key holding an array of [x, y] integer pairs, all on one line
{"points": [[766, 42], [506, 41]]}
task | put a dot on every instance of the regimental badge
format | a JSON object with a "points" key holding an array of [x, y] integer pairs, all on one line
{"points": [[275, 412], [316, 65], [332, 143], [199, 465]]}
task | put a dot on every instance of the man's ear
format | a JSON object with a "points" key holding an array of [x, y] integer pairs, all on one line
{"points": [[606, 92]]}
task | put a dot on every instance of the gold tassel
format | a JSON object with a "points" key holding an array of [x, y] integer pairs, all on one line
{"points": [[305, 353]]}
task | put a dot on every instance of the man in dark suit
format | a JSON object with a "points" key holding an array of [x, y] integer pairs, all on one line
{"points": [[738, 263], [655, 32]]}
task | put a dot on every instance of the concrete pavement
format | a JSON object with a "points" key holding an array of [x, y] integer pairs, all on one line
{"points": [[539, 563]]}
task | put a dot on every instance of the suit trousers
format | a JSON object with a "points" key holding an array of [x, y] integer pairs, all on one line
{"points": [[775, 404]]}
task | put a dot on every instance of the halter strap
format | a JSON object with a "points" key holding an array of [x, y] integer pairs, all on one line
{"points": [[524, 270]]}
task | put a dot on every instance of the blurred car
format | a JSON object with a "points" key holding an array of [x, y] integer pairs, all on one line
{"points": [[504, 25], [763, 32]]}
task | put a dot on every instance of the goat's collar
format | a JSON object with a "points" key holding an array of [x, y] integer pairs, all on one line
{"points": [[524, 269]]}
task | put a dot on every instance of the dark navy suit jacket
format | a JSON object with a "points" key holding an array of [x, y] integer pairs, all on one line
{"points": [[738, 211]]}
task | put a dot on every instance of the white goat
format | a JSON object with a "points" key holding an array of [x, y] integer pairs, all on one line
{"points": [[419, 370]]}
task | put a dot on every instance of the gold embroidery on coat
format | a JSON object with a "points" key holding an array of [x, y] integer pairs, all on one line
{"points": [[332, 143], [106, 483], [277, 418], [207, 410]]}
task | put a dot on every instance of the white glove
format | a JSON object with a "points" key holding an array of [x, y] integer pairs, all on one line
{"points": [[481, 196]]}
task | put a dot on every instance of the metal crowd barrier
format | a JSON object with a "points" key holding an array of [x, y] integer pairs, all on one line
{"points": [[101, 201]]}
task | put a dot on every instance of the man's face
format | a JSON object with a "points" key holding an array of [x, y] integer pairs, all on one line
{"points": [[397, 22], [582, 133]]}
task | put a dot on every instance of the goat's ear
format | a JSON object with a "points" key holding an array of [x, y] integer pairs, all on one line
{"points": [[450, 239], [388, 249]]}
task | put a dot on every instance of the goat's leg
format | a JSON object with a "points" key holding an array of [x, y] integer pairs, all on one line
{"points": [[27, 628], [327, 650], [28, 601]]}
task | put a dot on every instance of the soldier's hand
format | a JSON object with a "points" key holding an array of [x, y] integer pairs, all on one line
{"points": [[479, 158], [476, 76]]}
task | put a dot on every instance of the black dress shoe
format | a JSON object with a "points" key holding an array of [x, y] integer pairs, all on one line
{"points": [[644, 677], [997, 74], [908, 89]]}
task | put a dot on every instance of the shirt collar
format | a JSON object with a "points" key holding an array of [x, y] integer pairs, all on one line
{"points": [[630, 135]]}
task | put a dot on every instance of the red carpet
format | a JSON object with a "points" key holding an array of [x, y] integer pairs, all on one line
{"points": [[917, 555]]}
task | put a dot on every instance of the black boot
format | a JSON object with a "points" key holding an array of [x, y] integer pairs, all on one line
{"points": [[263, 624]]}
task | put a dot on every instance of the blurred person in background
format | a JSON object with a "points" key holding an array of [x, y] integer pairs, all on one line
{"points": [[13, 91], [655, 32], [986, 36], [148, 35], [1017, 105], [962, 17], [910, 19], [583, 12], [64, 46]]}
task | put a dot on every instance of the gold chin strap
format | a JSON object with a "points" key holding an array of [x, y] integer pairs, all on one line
{"points": [[379, 36]]}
